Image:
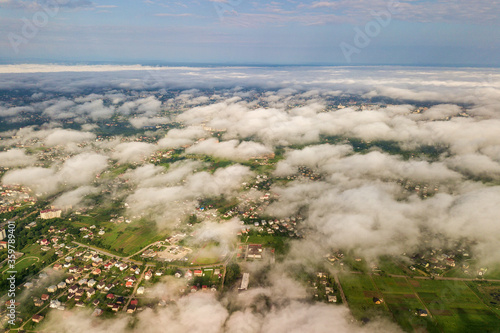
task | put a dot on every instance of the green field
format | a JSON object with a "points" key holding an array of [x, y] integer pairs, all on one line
{"points": [[130, 238], [359, 291], [454, 306]]}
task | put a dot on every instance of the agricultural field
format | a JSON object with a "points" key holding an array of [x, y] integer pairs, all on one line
{"points": [[453, 306], [359, 291], [130, 238]]}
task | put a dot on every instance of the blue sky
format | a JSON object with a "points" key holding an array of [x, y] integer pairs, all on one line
{"points": [[345, 32]]}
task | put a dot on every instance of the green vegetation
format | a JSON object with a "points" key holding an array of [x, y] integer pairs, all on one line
{"points": [[454, 306], [233, 273], [130, 238], [278, 242]]}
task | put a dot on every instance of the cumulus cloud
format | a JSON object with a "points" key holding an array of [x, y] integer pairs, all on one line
{"points": [[76, 171], [231, 149], [177, 138], [16, 158], [64, 136], [133, 152], [73, 199], [169, 203]]}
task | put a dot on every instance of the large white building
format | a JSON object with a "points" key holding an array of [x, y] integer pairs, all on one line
{"points": [[245, 281], [50, 214]]}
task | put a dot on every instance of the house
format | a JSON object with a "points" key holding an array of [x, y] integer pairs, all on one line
{"points": [[79, 293], [72, 269], [140, 290], [178, 274], [131, 308], [96, 271], [70, 279], [129, 284], [158, 273], [101, 284], [61, 285], [110, 296], [44, 242], [97, 312], [38, 302], [95, 302], [54, 304], [90, 292], [123, 267], [80, 304], [198, 272], [115, 307], [109, 286], [332, 298], [44, 297], [52, 289], [73, 289], [134, 302], [37, 318], [108, 265], [120, 300], [83, 281], [422, 313], [91, 283], [377, 300], [58, 266], [148, 275], [194, 289], [131, 278]]}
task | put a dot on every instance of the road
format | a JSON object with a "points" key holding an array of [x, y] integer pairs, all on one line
{"points": [[126, 259], [342, 295], [132, 295], [444, 278], [418, 297]]}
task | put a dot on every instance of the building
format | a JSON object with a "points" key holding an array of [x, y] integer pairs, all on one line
{"points": [[244, 282], [50, 214], [37, 318], [422, 313], [254, 251]]}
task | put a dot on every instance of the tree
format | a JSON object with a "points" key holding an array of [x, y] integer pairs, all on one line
{"points": [[232, 273]]}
